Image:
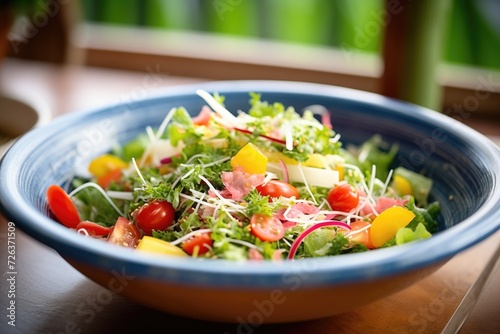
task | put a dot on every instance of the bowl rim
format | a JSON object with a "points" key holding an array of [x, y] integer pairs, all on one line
{"points": [[315, 271]]}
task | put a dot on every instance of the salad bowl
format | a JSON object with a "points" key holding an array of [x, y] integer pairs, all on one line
{"points": [[463, 164]]}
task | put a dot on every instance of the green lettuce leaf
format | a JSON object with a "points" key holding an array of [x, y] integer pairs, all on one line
{"points": [[426, 216], [92, 206], [420, 184], [323, 242], [406, 234]]}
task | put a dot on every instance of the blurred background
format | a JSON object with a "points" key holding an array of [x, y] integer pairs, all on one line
{"points": [[435, 53], [472, 30], [60, 56]]}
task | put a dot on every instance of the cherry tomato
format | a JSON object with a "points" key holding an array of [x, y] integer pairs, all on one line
{"points": [[276, 188], [155, 215], [124, 233], [362, 237], [62, 206], [198, 244], [343, 197], [94, 229], [266, 228]]}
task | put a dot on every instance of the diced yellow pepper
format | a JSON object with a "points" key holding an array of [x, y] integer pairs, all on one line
{"points": [[316, 160], [336, 162], [251, 159], [104, 164], [402, 185], [341, 171], [155, 245], [277, 156], [386, 224]]}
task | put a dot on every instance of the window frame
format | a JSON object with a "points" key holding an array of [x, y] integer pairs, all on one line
{"points": [[467, 92]]}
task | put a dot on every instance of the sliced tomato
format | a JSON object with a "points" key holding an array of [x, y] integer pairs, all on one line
{"points": [[362, 237], [124, 233], [343, 197], [266, 228], [198, 244], [94, 229], [155, 215], [62, 206], [277, 188]]}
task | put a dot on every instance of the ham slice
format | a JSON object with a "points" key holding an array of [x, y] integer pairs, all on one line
{"points": [[238, 183]]}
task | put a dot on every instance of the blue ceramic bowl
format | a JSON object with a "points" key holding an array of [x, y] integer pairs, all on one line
{"points": [[464, 165]]}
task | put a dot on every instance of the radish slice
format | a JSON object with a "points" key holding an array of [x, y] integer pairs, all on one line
{"points": [[166, 160], [284, 170], [318, 109], [275, 140], [325, 119], [296, 243]]}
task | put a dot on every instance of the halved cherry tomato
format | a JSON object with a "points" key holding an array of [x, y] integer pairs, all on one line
{"points": [[94, 229], [124, 233], [343, 197], [62, 206], [266, 228], [277, 188], [155, 215], [198, 244], [362, 237]]}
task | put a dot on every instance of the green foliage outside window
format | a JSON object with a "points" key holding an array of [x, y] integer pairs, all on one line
{"points": [[472, 36]]}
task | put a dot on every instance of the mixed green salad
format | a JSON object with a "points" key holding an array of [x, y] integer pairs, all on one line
{"points": [[268, 183]]}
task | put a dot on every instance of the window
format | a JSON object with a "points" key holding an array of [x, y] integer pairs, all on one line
{"points": [[335, 42], [473, 30]]}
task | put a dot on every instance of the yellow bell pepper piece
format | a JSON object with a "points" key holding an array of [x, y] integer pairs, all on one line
{"points": [[316, 160], [251, 159], [402, 185], [277, 156], [104, 164], [386, 224], [341, 171], [155, 245]]}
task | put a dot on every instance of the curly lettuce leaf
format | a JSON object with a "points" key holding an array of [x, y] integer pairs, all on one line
{"points": [[182, 128], [324, 242], [426, 216], [374, 151], [263, 108]]}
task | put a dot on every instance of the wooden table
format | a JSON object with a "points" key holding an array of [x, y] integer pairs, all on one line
{"points": [[52, 297]]}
